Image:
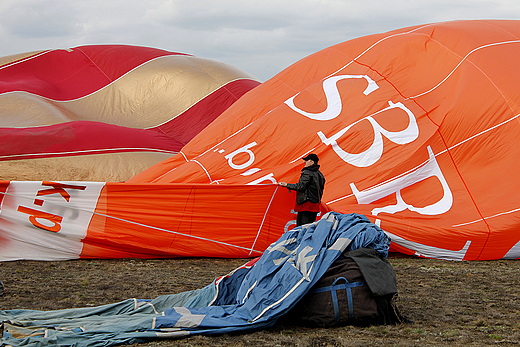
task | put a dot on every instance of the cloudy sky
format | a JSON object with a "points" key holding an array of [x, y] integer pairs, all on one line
{"points": [[261, 37]]}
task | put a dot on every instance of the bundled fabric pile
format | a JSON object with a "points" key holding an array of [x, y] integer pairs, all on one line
{"points": [[252, 297], [359, 288]]}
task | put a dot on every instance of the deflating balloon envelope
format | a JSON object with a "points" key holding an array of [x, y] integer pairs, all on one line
{"points": [[415, 128]]}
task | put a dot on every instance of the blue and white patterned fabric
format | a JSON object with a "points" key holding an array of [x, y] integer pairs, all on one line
{"points": [[255, 296]]}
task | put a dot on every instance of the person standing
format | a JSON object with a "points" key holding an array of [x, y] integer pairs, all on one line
{"points": [[309, 190]]}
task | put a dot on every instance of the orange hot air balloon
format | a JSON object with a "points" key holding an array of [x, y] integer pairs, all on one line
{"points": [[416, 128], [106, 112]]}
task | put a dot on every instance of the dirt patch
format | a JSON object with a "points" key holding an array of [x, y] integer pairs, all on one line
{"points": [[451, 303]]}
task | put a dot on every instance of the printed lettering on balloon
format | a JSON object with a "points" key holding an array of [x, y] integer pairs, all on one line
{"points": [[286, 247], [58, 188], [334, 108], [44, 219], [375, 151], [334, 105], [430, 169], [246, 149], [268, 178]]}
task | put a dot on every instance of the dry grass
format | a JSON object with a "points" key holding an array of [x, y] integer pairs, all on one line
{"points": [[451, 303]]}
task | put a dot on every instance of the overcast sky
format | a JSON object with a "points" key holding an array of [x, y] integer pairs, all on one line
{"points": [[261, 37]]}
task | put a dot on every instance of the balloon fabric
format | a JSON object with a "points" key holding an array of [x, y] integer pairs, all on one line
{"points": [[256, 295], [416, 128]]}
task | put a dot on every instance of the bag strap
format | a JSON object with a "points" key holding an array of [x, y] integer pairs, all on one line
{"points": [[348, 288]]}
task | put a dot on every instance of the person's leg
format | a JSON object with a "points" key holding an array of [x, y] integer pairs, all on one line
{"points": [[300, 219], [311, 217], [305, 217]]}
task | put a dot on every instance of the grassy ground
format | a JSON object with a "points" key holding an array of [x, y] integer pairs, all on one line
{"points": [[451, 303]]}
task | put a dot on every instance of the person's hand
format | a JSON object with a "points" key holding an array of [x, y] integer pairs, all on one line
{"points": [[282, 184]]}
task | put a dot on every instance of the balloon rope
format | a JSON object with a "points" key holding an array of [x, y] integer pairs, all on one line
{"points": [[263, 220], [251, 250]]}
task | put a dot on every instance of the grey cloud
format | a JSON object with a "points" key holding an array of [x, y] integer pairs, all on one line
{"points": [[260, 36], [40, 19]]}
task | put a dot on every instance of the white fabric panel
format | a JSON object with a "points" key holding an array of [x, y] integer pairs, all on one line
{"points": [[46, 220]]}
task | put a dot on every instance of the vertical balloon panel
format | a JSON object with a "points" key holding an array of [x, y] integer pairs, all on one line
{"points": [[46, 220]]}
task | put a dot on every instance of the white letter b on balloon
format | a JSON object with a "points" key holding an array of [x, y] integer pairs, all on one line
{"points": [[375, 151]]}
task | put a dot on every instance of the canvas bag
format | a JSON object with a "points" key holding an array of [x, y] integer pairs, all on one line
{"points": [[344, 296]]}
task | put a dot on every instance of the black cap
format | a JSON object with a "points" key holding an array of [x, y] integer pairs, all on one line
{"points": [[312, 157]]}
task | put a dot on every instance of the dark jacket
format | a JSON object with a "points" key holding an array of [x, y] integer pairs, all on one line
{"points": [[310, 186]]}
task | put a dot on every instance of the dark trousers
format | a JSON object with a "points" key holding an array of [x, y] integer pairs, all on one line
{"points": [[305, 217]]}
